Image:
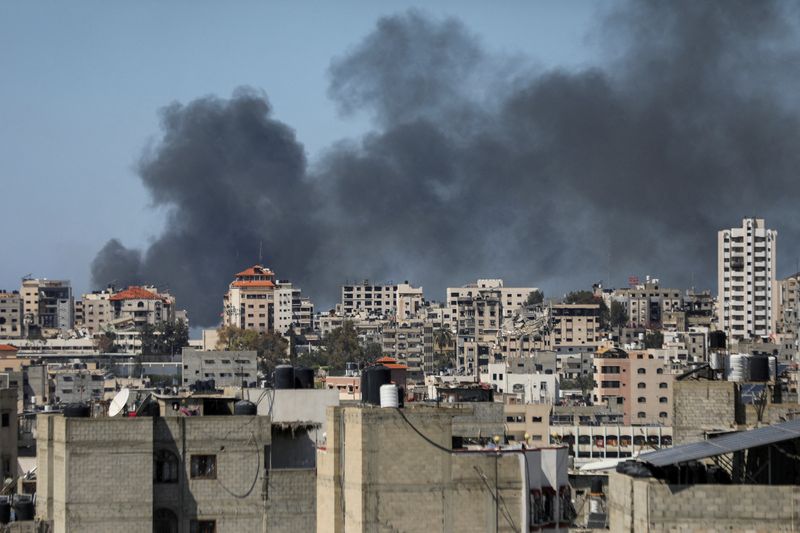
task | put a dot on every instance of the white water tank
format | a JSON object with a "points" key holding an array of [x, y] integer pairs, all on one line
{"points": [[717, 361], [773, 368], [389, 396], [737, 368]]}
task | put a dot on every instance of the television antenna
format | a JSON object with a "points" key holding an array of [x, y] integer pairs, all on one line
{"points": [[119, 402]]}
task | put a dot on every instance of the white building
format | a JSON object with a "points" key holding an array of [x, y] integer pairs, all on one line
{"points": [[511, 298], [748, 299], [534, 387]]}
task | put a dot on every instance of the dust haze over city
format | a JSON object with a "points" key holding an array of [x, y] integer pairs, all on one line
{"points": [[478, 163]]}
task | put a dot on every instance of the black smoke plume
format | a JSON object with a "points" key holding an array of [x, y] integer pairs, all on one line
{"points": [[481, 165]]}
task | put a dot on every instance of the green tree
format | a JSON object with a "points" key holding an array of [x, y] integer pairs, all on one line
{"points": [[618, 315], [588, 297], [165, 338], [271, 348], [653, 339], [535, 298], [443, 338]]}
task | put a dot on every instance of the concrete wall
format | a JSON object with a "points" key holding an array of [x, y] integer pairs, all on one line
{"points": [[95, 477], [652, 505], [8, 433], [227, 368], [703, 406], [376, 474], [292, 501]]}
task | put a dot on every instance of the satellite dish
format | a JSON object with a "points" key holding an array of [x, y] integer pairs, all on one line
{"points": [[119, 402]]}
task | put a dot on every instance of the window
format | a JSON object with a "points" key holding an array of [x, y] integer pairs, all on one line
{"points": [[203, 526], [662, 414], [204, 467], [659, 371], [165, 467], [641, 371], [662, 399], [641, 414], [533, 418], [5, 420], [165, 521], [641, 399], [641, 386], [662, 385]]}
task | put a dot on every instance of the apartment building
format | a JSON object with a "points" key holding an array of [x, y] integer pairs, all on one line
{"points": [[532, 387], [410, 342], [478, 320], [257, 300], [574, 327], [10, 315], [510, 298], [226, 368], [747, 291], [639, 381], [647, 303], [788, 311], [76, 383], [47, 303], [401, 301]]}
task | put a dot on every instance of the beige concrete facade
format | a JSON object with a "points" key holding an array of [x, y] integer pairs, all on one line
{"points": [[574, 327], [400, 301], [11, 315], [370, 477], [47, 304], [116, 474]]}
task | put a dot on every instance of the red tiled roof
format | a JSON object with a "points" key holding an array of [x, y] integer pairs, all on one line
{"points": [[135, 293], [8, 348], [256, 270], [261, 283], [386, 359]]}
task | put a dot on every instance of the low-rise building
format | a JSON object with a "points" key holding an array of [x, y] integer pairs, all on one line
{"points": [[227, 368]]}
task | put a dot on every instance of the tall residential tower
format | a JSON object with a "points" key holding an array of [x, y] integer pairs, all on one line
{"points": [[747, 297]]}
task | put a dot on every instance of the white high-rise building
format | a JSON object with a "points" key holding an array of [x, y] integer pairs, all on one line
{"points": [[748, 299]]}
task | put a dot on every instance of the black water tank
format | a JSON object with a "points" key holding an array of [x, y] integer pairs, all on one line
{"points": [[597, 485], [759, 368], [284, 377], [23, 509], [365, 376], [378, 376], [5, 511], [212, 384], [303, 378], [716, 340], [77, 410], [244, 407]]}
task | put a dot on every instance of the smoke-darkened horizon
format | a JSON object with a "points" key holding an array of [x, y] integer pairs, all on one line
{"points": [[480, 165]]}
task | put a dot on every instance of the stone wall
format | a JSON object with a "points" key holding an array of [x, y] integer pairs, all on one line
{"points": [[653, 505], [703, 406], [292, 501]]}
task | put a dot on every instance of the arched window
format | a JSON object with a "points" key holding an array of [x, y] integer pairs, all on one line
{"points": [[165, 521], [641, 386], [641, 371], [641, 399], [659, 370], [662, 386], [165, 467], [663, 414], [663, 399], [641, 414]]}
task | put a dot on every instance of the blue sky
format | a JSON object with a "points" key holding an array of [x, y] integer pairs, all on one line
{"points": [[81, 83]]}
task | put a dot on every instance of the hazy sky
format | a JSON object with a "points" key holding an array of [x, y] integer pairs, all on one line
{"points": [[82, 83]]}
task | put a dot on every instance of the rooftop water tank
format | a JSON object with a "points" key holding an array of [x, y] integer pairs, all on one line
{"points": [[716, 340], [5, 510], [77, 410], [773, 368], [389, 397], [284, 377], [23, 508], [716, 360], [303, 378], [737, 368], [244, 407], [759, 368], [378, 376]]}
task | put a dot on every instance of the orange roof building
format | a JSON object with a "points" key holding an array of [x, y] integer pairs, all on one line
{"points": [[8, 350]]}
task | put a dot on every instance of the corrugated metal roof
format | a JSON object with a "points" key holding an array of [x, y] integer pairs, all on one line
{"points": [[732, 442]]}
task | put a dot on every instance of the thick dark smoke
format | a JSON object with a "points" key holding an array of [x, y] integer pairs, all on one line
{"points": [[480, 165]]}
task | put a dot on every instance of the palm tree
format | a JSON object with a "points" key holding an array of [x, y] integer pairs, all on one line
{"points": [[443, 338]]}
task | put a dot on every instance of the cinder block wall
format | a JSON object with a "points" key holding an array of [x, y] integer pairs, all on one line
{"points": [[702, 406], [652, 505]]}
